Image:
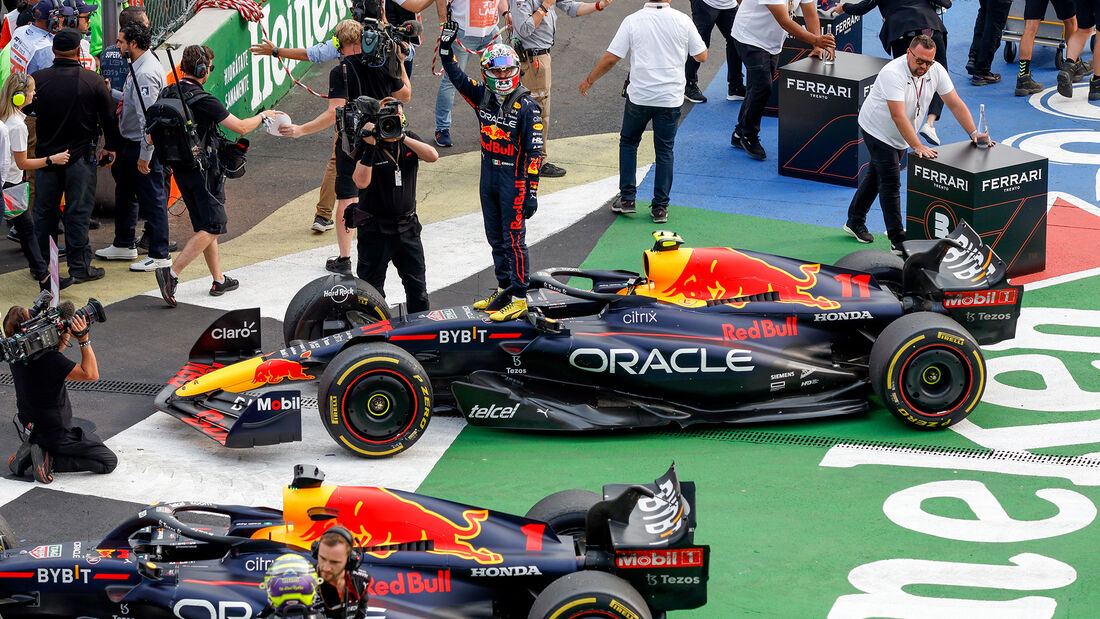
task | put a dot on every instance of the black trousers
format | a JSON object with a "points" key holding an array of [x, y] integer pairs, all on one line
{"points": [[75, 450], [760, 66], [706, 18], [988, 27], [28, 242], [144, 194], [900, 46], [378, 249], [77, 182], [883, 180]]}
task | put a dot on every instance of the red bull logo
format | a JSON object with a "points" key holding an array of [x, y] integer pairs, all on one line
{"points": [[724, 273], [494, 132], [497, 149], [274, 371]]}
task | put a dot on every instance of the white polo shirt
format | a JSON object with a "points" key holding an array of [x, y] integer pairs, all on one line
{"points": [[896, 83], [659, 39], [755, 25]]}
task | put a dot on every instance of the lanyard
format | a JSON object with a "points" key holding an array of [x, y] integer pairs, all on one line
{"points": [[916, 113]]}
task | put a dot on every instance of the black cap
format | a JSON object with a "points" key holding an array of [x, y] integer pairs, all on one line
{"points": [[67, 40]]}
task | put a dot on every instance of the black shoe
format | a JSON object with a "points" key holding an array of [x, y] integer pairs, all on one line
{"points": [[550, 170], [1025, 86], [753, 148], [693, 94], [622, 207], [13, 235], [93, 224], [143, 245], [860, 232], [736, 92], [20, 461], [229, 284], [167, 284], [896, 245], [735, 139], [89, 275], [659, 214], [1094, 89], [984, 79], [41, 465], [970, 65], [1080, 70], [1065, 84], [339, 264], [62, 283]]}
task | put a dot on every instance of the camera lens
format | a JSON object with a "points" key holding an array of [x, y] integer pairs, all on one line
{"points": [[389, 126]]}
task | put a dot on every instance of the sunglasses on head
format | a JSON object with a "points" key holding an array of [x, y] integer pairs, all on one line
{"points": [[921, 61]]}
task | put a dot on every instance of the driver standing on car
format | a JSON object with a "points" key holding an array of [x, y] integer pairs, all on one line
{"points": [[344, 585]]}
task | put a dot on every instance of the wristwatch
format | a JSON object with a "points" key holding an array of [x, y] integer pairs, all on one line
{"points": [[48, 162], [275, 53]]}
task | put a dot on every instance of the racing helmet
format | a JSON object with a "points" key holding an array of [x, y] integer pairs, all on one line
{"points": [[502, 60], [291, 580]]}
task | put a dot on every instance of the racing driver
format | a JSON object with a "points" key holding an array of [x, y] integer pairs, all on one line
{"points": [[511, 153]]}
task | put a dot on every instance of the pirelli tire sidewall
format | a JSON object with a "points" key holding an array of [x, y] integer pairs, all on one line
{"points": [[375, 400], [589, 594], [927, 370], [320, 300], [8, 540]]}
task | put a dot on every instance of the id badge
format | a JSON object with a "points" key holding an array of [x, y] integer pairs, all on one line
{"points": [[397, 176]]}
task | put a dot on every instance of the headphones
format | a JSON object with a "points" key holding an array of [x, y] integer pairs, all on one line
{"points": [[58, 19], [201, 68], [353, 555], [19, 97], [336, 42]]}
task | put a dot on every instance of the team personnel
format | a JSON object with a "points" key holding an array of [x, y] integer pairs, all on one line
{"points": [[43, 56], [659, 41], [759, 30], [534, 24], [888, 122], [45, 415], [202, 190], [73, 106], [706, 14], [1034, 12], [343, 583], [389, 230], [1076, 68], [477, 29], [112, 65], [511, 155], [989, 24]]}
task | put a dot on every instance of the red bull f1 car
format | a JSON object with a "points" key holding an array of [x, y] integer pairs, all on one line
{"points": [[705, 335], [628, 554]]}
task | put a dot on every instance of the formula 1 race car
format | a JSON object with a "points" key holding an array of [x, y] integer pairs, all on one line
{"points": [[629, 554], [713, 335]]}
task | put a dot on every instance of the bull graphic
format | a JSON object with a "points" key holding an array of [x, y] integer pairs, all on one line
{"points": [[494, 132], [274, 371]]}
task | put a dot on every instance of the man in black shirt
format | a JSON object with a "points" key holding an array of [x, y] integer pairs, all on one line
{"points": [[386, 214], [343, 582], [72, 105], [202, 191], [45, 413], [348, 80]]}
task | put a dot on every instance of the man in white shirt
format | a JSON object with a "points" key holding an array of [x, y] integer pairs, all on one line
{"points": [[759, 30], [888, 120], [659, 39]]}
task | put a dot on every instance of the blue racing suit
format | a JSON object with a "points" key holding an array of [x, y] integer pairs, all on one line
{"points": [[511, 154]]}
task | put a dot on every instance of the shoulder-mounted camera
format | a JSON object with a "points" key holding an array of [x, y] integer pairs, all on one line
{"points": [[351, 120]]}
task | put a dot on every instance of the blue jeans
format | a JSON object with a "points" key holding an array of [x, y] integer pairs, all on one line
{"points": [[665, 122], [445, 98]]}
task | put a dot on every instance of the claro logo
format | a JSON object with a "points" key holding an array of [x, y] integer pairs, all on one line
{"points": [[679, 361], [245, 330]]}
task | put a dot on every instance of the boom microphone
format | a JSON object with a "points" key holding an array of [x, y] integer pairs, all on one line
{"points": [[66, 309]]}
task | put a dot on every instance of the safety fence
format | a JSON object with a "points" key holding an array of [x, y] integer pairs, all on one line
{"points": [[166, 16]]}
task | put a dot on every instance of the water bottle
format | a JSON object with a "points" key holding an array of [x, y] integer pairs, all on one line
{"points": [[982, 138], [830, 54]]}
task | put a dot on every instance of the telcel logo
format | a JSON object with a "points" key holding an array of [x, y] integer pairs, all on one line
{"points": [[246, 329], [493, 411], [278, 404]]}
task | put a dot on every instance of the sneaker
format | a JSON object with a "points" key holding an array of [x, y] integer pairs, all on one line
{"points": [[20, 461], [929, 133], [623, 207], [228, 284], [41, 465], [320, 224], [151, 264], [970, 65], [484, 303], [549, 170], [753, 148], [90, 275], [735, 138], [895, 245], [1080, 70], [339, 264], [93, 224], [859, 231], [166, 281], [143, 245], [736, 92], [114, 252], [1025, 86], [13, 235], [62, 283], [659, 214], [1094, 89], [516, 309], [984, 79], [1065, 84], [443, 138], [693, 94]]}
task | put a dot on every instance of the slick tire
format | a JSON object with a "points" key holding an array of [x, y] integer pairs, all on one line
{"points": [[927, 370], [328, 299], [883, 265], [7, 535], [565, 512], [375, 400], [589, 594]]}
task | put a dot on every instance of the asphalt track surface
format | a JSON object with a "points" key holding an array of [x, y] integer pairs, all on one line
{"points": [[860, 516]]}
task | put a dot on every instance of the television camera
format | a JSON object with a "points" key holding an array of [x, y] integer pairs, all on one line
{"points": [[351, 120], [46, 326]]}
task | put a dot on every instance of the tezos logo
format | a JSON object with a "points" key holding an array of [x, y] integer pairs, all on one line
{"points": [[246, 329], [339, 293]]}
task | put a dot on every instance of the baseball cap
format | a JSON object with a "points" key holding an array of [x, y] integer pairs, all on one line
{"points": [[84, 9], [67, 40], [43, 8]]}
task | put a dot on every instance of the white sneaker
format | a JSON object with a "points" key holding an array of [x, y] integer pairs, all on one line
{"points": [[117, 253], [929, 133], [151, 264]]}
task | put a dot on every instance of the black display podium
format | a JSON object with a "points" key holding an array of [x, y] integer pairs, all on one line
{"points": [[1001, 192], [819, 137], [848, 31]]}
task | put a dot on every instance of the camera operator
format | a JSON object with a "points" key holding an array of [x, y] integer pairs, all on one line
{"points": [[44, 409], [352, 78], [386, 178], [343, 584]]}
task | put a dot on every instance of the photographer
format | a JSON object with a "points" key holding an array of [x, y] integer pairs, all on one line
{"points": [[386, 178], [44, 409], [351, 79]]}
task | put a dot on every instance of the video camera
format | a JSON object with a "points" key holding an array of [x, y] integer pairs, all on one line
{"points": [[380, 39], [351, 120], [47, 324]]}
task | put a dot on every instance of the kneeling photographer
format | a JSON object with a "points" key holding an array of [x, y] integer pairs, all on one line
{"points": [[34, 341], [385, 216]]}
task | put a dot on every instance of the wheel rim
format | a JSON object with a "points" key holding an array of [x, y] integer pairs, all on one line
{"points": [[935, 380], [378, 406]]}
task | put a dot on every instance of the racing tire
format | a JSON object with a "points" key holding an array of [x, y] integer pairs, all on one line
{"points": [[375, 400], [927, 370], [7, 535], [311, 307], [589, 594], [883, 265], [565, 512]]}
